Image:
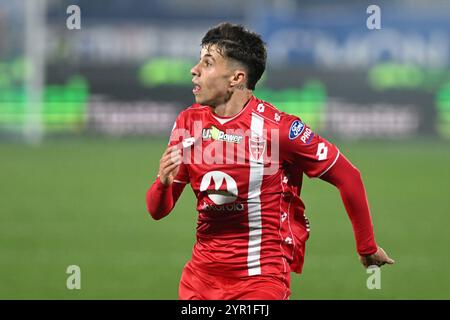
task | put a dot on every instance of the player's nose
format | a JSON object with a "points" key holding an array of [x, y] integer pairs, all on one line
{"points": [[195, 71]]}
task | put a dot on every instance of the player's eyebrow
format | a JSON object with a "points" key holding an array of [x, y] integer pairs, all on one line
{"points": [[208, 55]]}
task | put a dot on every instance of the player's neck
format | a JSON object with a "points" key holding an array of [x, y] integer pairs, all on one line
{"points": [[234, 104]]}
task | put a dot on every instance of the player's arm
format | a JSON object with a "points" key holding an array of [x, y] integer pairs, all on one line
{"points": [[318, 158], [172, 175], [165, 191], [347, 178]]}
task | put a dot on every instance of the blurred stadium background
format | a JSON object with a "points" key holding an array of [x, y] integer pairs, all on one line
{"points": [[85, 115]]}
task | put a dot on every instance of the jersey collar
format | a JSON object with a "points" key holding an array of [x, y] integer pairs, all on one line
{"points": [[248, 106]]}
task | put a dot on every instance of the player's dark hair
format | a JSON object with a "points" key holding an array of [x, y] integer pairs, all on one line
{"points": [[235, 42]]}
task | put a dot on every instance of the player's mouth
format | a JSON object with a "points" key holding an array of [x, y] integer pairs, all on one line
{"points": [[196, 89]]}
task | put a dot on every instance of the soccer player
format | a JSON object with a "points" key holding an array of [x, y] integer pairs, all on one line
{"points": [[245, 161]]}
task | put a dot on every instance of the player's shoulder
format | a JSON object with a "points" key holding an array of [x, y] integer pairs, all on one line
{"points": [[290, 126], [267, 111], [194, 109], [272, 114], [192, 112]]}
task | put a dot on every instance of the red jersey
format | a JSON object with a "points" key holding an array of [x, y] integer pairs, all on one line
{"points": [[246, 172]]}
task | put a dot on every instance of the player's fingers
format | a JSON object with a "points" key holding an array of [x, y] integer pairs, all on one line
{"points": [[164, 157], [171, 157], [175, 154], [167, 170], [170, 150], [386, 261], [386, 258], [365, 262], [170, 162]]}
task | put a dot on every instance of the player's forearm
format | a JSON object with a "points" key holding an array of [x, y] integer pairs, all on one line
{"points": [[354, 197], [160, 199], [348, 180]]}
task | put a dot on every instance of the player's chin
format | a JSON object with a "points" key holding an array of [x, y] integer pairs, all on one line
{"points": [[199, 99]]}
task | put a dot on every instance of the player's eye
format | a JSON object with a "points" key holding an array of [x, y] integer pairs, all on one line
{"points": [[207, 63]]}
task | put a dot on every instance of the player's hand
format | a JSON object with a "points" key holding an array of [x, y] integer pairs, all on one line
{"points": [[169, 165], [379, 258]]}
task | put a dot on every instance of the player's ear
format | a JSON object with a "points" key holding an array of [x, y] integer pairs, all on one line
{"points": [[238, 79]]}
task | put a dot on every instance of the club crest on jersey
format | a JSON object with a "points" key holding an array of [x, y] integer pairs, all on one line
{"points": [[296, 129], [217, 134], [257, 146]]}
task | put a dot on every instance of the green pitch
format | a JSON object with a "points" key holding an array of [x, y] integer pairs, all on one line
{"points": [[76, 202]]}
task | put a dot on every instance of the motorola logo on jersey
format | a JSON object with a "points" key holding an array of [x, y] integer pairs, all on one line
{"points": [[218, 180], [237, 206], [222, 190]]}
